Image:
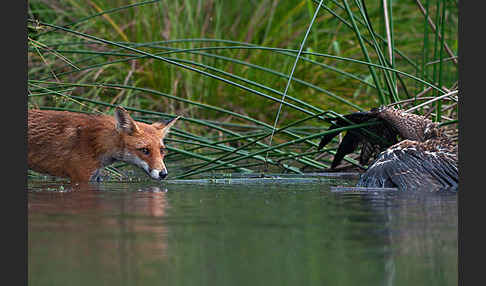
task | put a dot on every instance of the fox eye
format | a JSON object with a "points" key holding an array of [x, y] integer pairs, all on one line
{"points": [[144, 150], [164, 151]]}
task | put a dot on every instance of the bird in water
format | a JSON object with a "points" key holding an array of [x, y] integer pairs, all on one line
{"points": [[426, 157]]}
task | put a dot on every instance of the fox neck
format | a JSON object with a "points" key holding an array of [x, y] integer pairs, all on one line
{"points": [[107, 154], [104, 143], [105, 160]]}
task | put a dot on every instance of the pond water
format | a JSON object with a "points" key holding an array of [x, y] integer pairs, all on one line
{"points": [[239, 234]]}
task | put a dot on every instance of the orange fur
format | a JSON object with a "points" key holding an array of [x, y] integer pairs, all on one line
{"points": [[76, 145]]}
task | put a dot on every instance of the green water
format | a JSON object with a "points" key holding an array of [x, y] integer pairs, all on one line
{"points": [[241, 234]]}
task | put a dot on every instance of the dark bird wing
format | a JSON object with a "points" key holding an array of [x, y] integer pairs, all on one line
{"points": [[411, 168], [349, 143], [385, 136], [328, 136]]}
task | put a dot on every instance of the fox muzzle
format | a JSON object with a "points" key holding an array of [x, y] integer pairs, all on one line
{"points": [[158, 174]]}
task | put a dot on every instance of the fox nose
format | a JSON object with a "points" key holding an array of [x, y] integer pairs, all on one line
{"points": [[158, 174], [162, 174]]}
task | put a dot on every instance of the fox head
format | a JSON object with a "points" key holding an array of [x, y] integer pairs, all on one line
{"points": [[142, 144]]}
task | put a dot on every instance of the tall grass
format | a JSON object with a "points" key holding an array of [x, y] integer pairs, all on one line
{"points": [[256, 83]]}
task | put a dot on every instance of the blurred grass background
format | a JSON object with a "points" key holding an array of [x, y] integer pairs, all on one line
{"points": [[225, 65]]}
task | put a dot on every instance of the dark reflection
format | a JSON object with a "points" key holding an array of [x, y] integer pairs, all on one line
{"points": [[419, 231], [297, 234]]}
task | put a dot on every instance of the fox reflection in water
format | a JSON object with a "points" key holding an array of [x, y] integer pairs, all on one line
{"points": [[103, 223]]}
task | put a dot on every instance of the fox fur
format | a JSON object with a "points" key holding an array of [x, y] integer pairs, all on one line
{"points": [[76, 145]]}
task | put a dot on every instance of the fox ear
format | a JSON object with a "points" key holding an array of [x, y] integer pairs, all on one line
{"points": [[125, 123], [165, 126]]}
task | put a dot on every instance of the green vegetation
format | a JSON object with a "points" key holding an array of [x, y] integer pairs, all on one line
{"points": [[225, 67]]}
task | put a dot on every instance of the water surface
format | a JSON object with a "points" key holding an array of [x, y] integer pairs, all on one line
{"points": [[239, 234]]}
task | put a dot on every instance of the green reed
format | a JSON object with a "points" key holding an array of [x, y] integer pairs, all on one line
{"points": [[226, 68]]}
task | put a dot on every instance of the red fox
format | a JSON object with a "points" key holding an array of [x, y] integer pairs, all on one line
{"points": [[77, 146]]}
